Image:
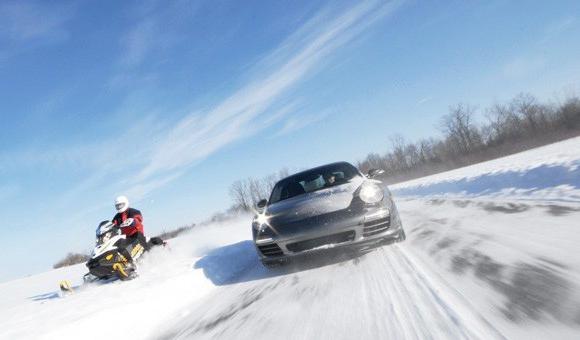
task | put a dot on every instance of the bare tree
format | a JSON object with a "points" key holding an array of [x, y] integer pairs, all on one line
{"points": [[460, 129], [502, 122], [425, 150], [398, 159], [239, 194], [412, 156], [569, 113], [246, 193], [256, 190], [372, 161], [530, 112]]}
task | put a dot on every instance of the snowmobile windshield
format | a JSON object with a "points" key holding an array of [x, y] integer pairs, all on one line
{"points": [[104, 227], [105, 237]]}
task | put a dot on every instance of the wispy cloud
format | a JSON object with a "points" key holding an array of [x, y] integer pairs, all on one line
{"points": [[293, 124], [138, 41], [425, 100], [139, 191], [200, 134], [134, 144], [557, 28], [535, 59], [522, 66], [157, 27], [27, 24], [157, 154]]}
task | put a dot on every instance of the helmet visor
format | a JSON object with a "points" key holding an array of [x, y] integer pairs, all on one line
{"points": [[120, 206]]}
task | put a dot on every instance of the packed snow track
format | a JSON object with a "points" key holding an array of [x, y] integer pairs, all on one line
{"points": [[382, 294]]}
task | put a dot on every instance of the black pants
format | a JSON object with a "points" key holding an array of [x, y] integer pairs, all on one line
{"points": [[139, 237], [131, 240]]}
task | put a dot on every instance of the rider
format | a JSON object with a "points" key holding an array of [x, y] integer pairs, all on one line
{"points": [[134, 231]]}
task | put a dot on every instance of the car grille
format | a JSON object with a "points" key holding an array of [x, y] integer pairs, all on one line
{"points": [[321, 241], [376, 226], [271, 250]]}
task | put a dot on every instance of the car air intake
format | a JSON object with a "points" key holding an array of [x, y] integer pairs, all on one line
{"points": [[321, 241], [270, 250], [376, 226]]}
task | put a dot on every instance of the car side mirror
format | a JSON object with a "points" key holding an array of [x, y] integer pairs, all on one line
{"points": [[375, 172], [262, 204]]}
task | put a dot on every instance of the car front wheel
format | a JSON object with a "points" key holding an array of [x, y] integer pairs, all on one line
{"points": [[402, 237], [272, 264]]}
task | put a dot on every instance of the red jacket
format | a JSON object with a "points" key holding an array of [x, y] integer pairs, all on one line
{"points": [[137, 224]]}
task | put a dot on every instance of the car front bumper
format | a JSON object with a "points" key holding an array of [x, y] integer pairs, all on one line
{"points": [[375, 226]]}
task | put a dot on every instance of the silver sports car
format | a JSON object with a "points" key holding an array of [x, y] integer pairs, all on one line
{"points": [[325, 207]]}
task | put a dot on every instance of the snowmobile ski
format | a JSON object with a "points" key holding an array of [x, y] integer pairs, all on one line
{"points": [[65, 286]]}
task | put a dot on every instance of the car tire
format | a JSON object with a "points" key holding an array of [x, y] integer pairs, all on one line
{"points": [[272, 264], [402, 236]]}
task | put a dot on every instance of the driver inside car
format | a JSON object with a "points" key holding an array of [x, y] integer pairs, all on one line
{"points": [[330, 180]]}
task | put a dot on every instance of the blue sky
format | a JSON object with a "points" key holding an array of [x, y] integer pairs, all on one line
{"points": [[169, 102]]}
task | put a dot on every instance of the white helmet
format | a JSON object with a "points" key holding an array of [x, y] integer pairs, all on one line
{"points": [[121, 204]]}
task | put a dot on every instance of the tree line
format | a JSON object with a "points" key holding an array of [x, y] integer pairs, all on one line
{"points": [[516, 125], [246, 193]]}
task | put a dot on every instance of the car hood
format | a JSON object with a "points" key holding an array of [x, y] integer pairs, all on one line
{"points": [[327, 206]]}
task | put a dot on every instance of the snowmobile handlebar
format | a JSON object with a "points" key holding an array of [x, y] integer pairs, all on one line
{"points": [[127, 223]]}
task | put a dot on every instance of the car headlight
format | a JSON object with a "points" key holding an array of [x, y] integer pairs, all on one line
{"points": [[264, 233], [261, 228], [371, 193], [260, 219]]}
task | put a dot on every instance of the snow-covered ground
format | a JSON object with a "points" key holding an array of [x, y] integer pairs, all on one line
{"points": [[502, 262], [33, 307], [551, 172]]}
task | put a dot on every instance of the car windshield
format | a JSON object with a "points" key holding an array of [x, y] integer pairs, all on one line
{"points": [[313, 180]]}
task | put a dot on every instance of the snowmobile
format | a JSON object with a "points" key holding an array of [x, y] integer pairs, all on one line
{"points": [[107, 262]]}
